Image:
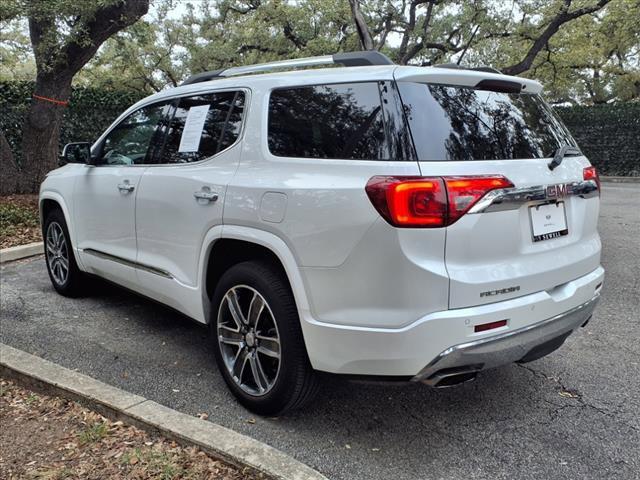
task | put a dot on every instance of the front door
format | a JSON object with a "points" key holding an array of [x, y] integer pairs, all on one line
{"points": [[104, 197]]}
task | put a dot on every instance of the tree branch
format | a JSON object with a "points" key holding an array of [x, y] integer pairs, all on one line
{"points": [[290, 35], [552, 28], [106, 22]]}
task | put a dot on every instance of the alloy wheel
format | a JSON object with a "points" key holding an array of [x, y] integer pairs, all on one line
{"points": [[57, 253], [249, 340]]}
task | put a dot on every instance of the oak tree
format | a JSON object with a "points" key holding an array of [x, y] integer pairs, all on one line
{"points": [[65, 35]]}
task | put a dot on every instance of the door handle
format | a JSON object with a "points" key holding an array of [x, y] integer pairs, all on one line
{"points": [[205, 195], [126, 187]]}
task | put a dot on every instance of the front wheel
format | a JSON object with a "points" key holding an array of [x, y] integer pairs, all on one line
{"points": [[63, 270], [258, 341]]}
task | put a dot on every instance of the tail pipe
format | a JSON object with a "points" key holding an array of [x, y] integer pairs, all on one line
{"points": [[450, 377]]}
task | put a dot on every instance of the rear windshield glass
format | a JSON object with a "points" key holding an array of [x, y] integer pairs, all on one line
{"points": [[459, 123]]}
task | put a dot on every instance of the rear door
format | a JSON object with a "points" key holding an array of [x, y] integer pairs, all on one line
{"points": [[181, 194], [535, 236]]}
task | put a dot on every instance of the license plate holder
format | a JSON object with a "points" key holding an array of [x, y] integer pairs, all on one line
{"points": [[548, 221]]}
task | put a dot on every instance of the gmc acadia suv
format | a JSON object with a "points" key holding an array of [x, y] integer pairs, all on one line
{"points": [[418, 223]]}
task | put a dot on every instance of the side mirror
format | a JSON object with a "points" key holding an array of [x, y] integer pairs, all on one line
{"points": [[78, 152]]}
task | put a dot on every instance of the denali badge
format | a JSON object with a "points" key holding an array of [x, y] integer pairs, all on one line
{"points": [[501, 291]]}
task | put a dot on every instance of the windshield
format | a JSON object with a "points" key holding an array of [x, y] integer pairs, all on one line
{"points": [[461, 123]]}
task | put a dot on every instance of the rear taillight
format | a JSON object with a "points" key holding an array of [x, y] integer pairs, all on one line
{"points": [[409, 201], [590, 173], [429, 202], [464, 192]]}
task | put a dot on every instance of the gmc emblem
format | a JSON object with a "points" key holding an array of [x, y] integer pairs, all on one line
{"points": [[558, 191]]}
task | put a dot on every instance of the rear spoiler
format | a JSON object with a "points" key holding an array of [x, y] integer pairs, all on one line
{"points": [[480, 79]]}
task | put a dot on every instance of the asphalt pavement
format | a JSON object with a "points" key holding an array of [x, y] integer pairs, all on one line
{"points": [[574, 414]]}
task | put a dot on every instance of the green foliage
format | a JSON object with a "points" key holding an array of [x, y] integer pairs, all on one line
{"points": [[16, 216], [94, 433], [58, 26], [608, 135], [594, 59], [89, 113], [157, 464], [16, 55], [591, 59]]}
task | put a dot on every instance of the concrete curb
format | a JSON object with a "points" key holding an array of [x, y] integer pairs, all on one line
{"points": [[21, 251], [620, 179], [112, 402]]}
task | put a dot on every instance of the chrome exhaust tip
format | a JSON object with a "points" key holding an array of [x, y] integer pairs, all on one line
{"points": [[451, 377]]}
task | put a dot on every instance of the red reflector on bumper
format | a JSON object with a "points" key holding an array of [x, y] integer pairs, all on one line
{"points": [[489, 326]]}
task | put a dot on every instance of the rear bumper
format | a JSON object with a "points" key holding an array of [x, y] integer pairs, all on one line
{"points": [[524, 344], [448, 339]]}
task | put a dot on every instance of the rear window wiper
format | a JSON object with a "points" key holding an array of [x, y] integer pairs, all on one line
{"points": [[561, 153]]}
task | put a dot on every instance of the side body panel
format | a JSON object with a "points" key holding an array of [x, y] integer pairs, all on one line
{"points": [[172, 227]]}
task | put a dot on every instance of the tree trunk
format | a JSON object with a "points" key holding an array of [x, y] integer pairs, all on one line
{"points": [[11, 174], [361, 26], [41, 130]]}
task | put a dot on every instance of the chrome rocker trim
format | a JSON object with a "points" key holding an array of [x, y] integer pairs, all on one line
{"points": [[509, 347], [128, 263], [513, 198]]}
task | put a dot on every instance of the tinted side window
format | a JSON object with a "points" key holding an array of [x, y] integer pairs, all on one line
{"points": [[342, 121], [461, 123], [202, 126], [133, 139]]}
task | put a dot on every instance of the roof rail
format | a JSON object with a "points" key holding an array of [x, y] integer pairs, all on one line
{"points": [[348, 59], [478, 69]]}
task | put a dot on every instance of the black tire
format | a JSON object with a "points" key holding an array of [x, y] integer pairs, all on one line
{"points": [[74, 281], [295, 382]]}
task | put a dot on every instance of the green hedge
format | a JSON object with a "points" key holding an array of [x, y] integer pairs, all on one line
{"points": [[608, 134], [89, 113]]}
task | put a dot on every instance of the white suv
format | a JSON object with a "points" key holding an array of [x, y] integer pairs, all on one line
{"points": [[418, 223]]}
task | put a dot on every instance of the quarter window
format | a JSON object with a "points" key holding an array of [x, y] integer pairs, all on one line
{"points": [[342, 121], [202, 126]]}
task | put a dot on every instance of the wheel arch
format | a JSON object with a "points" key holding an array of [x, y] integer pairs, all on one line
{"points": [[233, 244], [49, 201]]}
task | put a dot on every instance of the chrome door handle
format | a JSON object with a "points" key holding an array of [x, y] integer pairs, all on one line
{"points": [[205, 194], [126, 187]]}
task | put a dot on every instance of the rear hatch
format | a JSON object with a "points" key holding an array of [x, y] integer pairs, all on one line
{"points": [[537, 234]]}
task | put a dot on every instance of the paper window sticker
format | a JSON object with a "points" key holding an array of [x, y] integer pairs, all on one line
{"points": [[192, 131]]}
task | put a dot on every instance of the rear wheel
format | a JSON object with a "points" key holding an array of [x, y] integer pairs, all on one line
{"points": [[63, 270], [258, 342]]}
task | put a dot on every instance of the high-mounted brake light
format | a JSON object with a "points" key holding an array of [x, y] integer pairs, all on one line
{"points": [[590, 173], [429, 202]]}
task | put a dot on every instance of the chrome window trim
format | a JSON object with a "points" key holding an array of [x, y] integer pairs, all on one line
{"points": [[513, 198]]}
